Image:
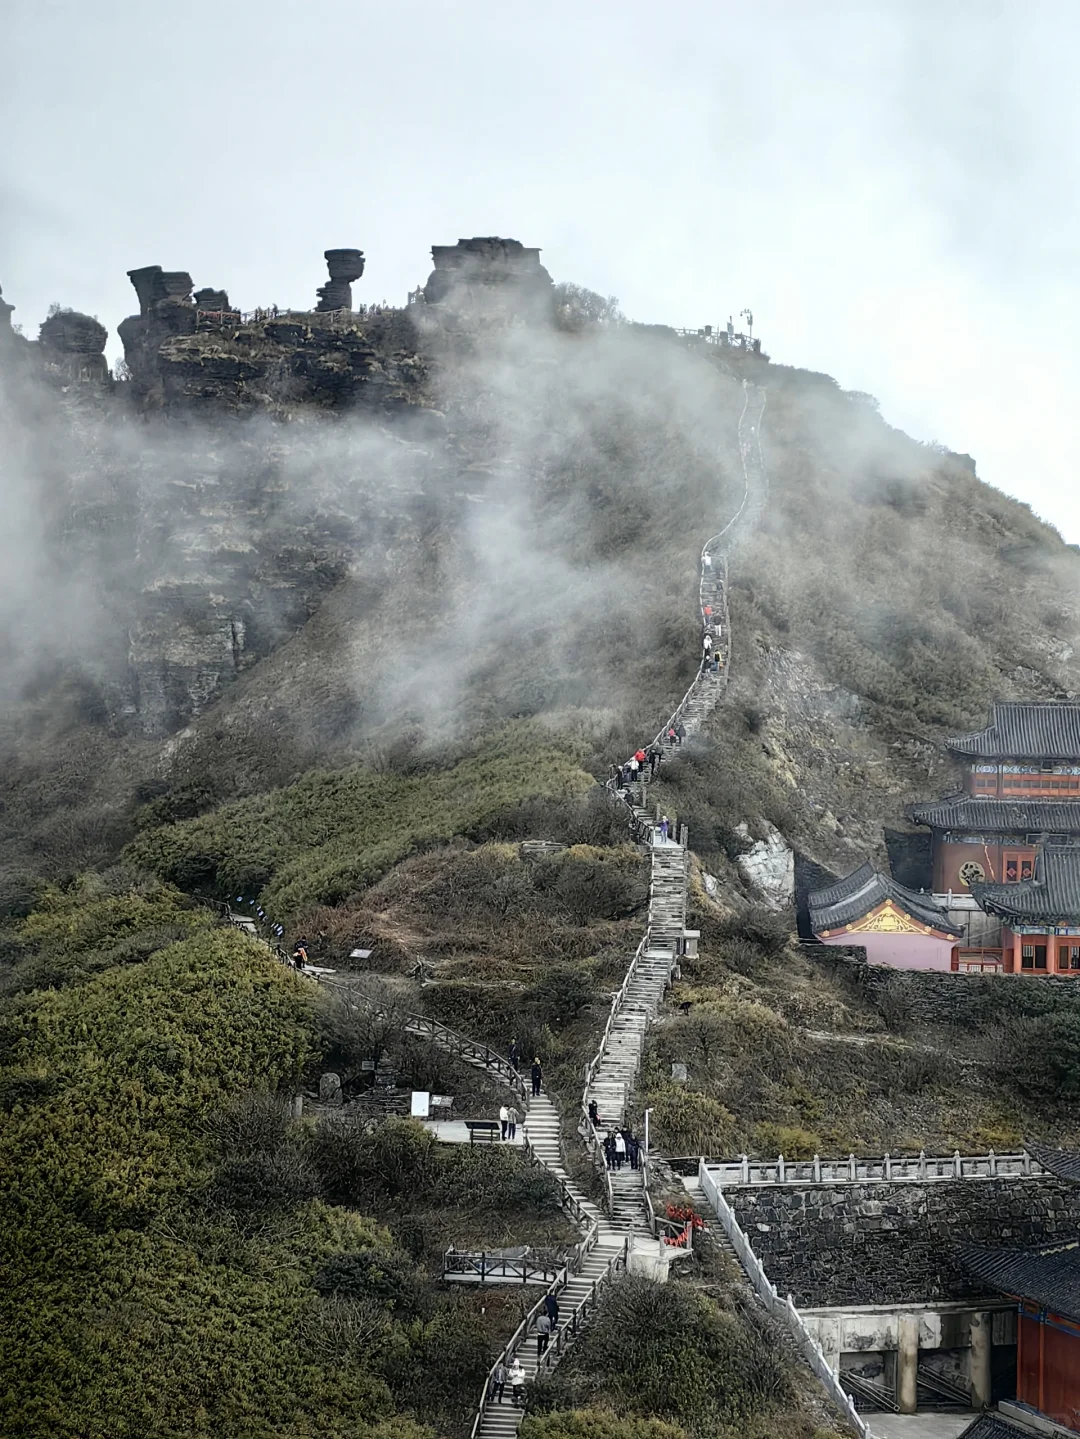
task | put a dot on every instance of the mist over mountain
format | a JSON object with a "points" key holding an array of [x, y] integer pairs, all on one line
{"points": [[340, 616]]}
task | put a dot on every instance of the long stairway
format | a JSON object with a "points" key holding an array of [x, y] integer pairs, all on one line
{"points": [[614, 1072], [614, 1076]]}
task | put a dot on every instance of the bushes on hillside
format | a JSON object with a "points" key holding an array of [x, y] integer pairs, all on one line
{"points": [[668, 1352], [331, 833]]}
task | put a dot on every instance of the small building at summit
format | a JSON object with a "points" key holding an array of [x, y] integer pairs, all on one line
{"points": [[896, 926]]}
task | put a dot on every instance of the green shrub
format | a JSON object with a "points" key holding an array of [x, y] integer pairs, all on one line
{"points": [[788, 1140], [332, 833], [596, 1424], [667, 1352]]}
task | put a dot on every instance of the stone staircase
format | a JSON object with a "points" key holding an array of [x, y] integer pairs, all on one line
{"points": [[501, 1420]]}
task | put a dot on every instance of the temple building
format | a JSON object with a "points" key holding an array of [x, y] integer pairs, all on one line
{"points": [[895, 925], [1039, 915], [1021, 786]]}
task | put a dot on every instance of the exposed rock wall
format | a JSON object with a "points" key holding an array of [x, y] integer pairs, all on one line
{"points": [[895, 1243]]}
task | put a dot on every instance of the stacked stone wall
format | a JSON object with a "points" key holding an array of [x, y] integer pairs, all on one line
{"points": [[879, 1243], [919, 997]]}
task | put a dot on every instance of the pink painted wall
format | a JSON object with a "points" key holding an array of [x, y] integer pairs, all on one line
{"points": [[901, 951]]}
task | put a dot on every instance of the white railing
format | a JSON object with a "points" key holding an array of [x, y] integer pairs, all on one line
{"points": [[889, 1169], [781, 1309]]}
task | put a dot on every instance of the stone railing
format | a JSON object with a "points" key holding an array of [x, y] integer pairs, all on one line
{"points": [[782, 1310], [747, 1173]]}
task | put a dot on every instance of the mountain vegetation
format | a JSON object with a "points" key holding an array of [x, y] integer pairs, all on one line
{"points": [[347, 666]]}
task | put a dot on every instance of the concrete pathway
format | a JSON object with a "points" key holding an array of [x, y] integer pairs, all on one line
{"points": [[456, 1131], [918, 1426]]}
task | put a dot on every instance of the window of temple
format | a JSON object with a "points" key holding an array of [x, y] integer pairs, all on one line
{"points": [[1033, 956], [1069, 956], [1012, 868], [1027, 867]]}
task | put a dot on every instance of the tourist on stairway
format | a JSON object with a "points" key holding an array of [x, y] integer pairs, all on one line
{"points": [[551, 1304], [504, 1120], [639, 755], [620, 1149], [515, 1054], [680, 732], [537, 1075], [665, 824], [609, 1151], [543, 1333], [517, 1382], [498, 1381], [513, 1116], [633, 1150], [655, 756]]}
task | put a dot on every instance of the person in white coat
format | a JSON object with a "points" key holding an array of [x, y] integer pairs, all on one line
{"points": [[504, 1120], [517, 1383]]}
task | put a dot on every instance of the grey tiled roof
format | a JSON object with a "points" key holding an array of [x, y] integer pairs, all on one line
{"points": [[1052, 897], [1022, 730], [1065, 1163], [863, 890], [1023, 816], [1048, 1274]]}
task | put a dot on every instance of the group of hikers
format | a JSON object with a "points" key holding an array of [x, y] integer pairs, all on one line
{"points": [[536, 1069], [619, 1145], [547, 1322], [508, 1122]]}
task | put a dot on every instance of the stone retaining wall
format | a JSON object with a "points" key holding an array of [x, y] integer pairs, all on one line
{"points": [[933, 997], [894, 1243]]}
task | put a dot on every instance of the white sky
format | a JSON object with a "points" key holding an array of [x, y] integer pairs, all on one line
{"points": [[890, 185]]}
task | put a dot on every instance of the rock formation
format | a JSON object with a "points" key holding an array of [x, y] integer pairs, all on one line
{"points": [[345, 266], [216, 301], [153, 284], [487, 273], [75, 344], [5, 313]]}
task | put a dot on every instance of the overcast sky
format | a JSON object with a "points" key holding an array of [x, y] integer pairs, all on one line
{"points": [[889, 185]]}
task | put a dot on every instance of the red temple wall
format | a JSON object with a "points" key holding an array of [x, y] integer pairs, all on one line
{"points": [[1048, 1368]]}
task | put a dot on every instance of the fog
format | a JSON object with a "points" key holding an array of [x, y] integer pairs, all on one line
{"points": [[886, 185]]}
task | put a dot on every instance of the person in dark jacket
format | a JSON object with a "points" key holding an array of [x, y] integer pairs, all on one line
{"points": [[551, 1304], [537, 1075], [594, 1113]]}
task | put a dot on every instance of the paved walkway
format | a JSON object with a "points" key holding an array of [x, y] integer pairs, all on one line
{"points": [[456, 1131], [918, 1426]]}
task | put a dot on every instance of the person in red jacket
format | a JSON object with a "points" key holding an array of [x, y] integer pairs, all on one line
{"points": [[639, 755]]}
